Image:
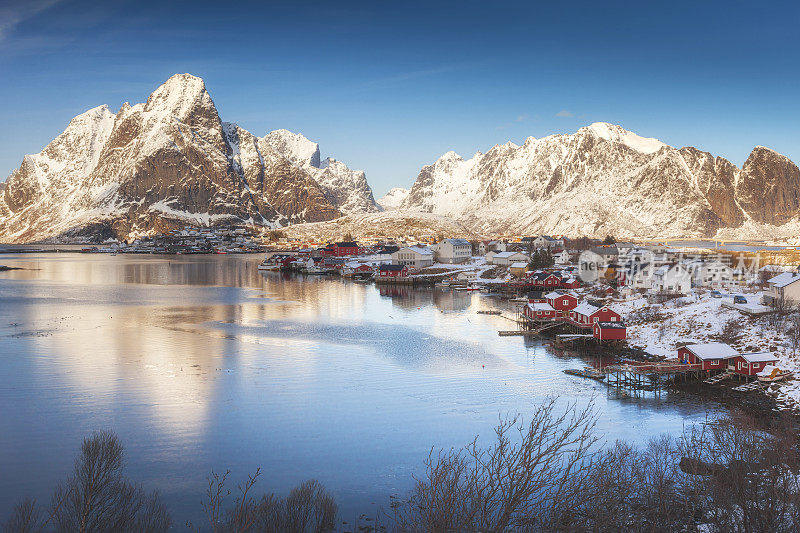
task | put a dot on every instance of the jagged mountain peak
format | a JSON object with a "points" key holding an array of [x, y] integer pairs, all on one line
{"points": [[617, 134], [179, 95], [295, 146], [168, 162]]}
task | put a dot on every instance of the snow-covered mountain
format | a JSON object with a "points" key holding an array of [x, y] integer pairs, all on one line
{"points": [[393, 198], [168, 162], [347, 189], [604, 179]]}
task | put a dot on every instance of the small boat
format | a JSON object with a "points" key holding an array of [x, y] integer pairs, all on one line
{"points": [[771, 374]]}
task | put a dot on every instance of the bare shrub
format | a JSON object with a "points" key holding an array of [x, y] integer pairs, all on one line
{"points": [[635, 489], [307, 509], [753, 486], [96, 497], [648, 313], [26, 517], [527, 479], [793, 331], [731, 331]]}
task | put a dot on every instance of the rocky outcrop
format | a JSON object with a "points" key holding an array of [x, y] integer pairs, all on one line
{"points": [[768, 188], [166, 163]]}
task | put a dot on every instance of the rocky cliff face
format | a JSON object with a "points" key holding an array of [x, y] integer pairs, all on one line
{"points": [[162, 164], [346, 189], [604, 179], [768, 187]]}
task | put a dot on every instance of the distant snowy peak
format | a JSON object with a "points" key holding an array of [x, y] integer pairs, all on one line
{"points": [[393, 198], [618, 134], [604, 179], [294, 146]]}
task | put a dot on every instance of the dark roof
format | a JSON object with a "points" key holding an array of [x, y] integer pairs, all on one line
{"points": [[393, 268], [612, 325], [606, 250], [347, 244]]}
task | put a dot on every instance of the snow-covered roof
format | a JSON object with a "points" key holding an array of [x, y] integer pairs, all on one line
{"points": [[712, 350], [422, 250], [784, 279], [586, 309], [458, 242], [552, 295], [541, 307], [507, 254], [519, 265], [759, 357]]}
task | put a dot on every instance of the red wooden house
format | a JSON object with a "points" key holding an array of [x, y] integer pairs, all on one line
{"points": [[393, 271], [343, 249], [542, 279], [609, 331], [570, 282], [562, 303], [711, 355], [750, 364], [586, 315], [539, 311]]}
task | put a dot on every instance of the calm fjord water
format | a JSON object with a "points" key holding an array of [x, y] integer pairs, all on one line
{"points": [[203, 362]]}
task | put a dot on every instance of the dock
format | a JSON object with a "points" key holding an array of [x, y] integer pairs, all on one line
{"points": [[533, 331], [649, 376], [590, 373]]}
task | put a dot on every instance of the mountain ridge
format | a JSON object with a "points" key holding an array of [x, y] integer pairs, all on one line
{"points": [[162, 164], [172, 161], [605, 179]]}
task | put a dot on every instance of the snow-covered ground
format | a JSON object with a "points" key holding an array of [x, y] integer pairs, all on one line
{"points": [[701, 318]]}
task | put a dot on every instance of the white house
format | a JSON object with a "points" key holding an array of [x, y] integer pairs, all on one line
{"points": [[638, 275], [562, 258], [548, 242], [484, 247], [415, 257], [784, 286], [452, 251], [709, 273], [506, 258], [672, 278]]}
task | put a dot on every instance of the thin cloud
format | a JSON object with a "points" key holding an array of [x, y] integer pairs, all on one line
{"points": [[522, 118], [12, 14], [565, 114]]}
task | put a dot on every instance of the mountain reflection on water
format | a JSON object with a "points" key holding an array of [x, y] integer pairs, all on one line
{"points": [[203, 362]]}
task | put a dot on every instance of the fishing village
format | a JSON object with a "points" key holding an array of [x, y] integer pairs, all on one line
{"points": [[641, 317]]}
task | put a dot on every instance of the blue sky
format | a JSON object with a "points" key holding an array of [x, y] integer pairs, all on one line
{"points": [[390, 86]]}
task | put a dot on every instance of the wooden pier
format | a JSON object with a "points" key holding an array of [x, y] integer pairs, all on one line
{"points": [[649, 376]]}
